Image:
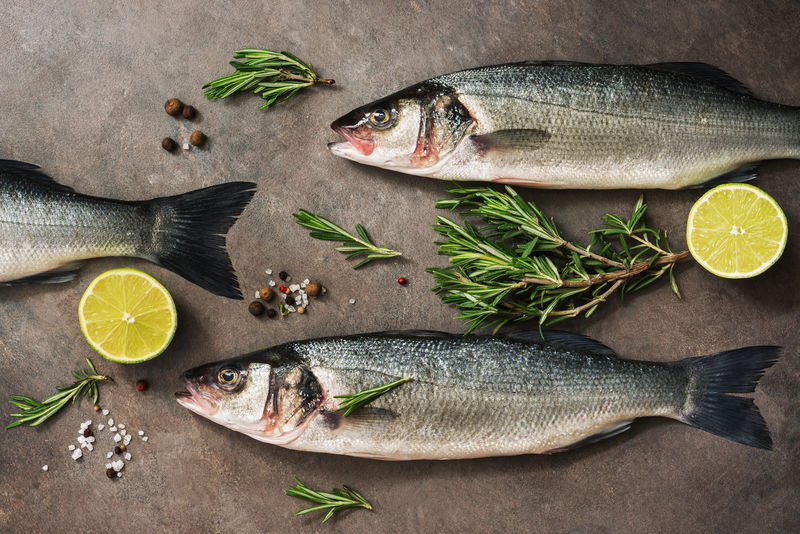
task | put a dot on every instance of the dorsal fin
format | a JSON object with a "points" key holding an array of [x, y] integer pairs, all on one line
{"points": [[706, 73], [565, 339], [32, 173]]}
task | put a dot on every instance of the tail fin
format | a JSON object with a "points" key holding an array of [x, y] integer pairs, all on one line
{"points": [[191, 232], [709, 406]]}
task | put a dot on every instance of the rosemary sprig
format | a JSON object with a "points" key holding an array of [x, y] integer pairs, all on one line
{"points": [[517, 266], [355, 401], [36, 413], [335, 501], [276, 76], [352, 246]]}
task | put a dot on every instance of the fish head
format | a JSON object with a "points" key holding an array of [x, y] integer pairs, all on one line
{"points": [[413, 131], [269, 398]]}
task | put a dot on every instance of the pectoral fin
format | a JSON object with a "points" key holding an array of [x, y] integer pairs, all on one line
{"points": [[609, 432], [64, 273], [506, 140]]}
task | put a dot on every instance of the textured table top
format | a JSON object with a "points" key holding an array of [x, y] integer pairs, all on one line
{"points": [[83, 86]]}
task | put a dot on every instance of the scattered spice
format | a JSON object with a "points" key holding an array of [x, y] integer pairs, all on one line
{"points": [[141, 385], [290, 300], [173, 107], [283, 275], [169, 144], [301, 310], [313, 289], [266, 293], [188, 112], [87, 432], [118, 449], [402, 280], [96, 408], [110, 473], [256, 308], [271, 313], [197, 138]]}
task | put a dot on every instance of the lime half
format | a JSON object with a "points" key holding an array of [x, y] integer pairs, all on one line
{"points": [[736, 231], [127, 316]]}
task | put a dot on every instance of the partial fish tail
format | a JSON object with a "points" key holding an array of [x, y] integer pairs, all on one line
{"points": [[711, 407], [189, 234]]}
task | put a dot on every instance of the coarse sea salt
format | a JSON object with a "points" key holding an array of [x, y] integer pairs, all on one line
{"points": [[110, 422], [141, 432], [123, 431], [258, 294], [108, 466], [109, 454], [294, 287], [268, 271], [144, 438], [105, 412], [101, 426], [45, 468], [89, 447], [71, 447], [76, 454], [306, 281], [128, 456], [352, 301], [120, 426], [118, 465], [126, 439], [117, 438], [272, 283], [119, 475], [90, 439], [113, 429]]}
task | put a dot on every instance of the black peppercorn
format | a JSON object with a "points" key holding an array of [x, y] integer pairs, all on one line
{"points": [[283, 275], [88, 432], [169, 144], [117, 450], [110, 473], [188, 112], [256, 308], [271, 313], [290, 300], [173, 107]]}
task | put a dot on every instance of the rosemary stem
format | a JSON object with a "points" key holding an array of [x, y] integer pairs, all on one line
{"points": [[576, 311], [648, 244], [586, 253], [621, 274]]}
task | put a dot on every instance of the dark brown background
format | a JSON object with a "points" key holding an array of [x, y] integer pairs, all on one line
{"points": [[82, 88]]}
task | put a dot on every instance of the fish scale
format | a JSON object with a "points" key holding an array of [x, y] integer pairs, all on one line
{"points": [[472, 396]]}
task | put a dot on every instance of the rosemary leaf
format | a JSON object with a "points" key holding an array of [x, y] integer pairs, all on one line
{"points": [[334, 501], [35, 412], [276, 76], [357, 400], [353, 246]]}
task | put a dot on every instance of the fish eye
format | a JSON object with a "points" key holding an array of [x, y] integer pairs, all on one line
{"points": [[228, 377], [380, 116]]}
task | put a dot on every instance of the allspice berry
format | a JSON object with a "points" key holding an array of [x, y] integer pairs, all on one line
{"points": [[271, 313], [169, 144], [173, 107], [188, 112], [110, 473], [313, 289], [265, 293], [256, 308], [197, 138]]}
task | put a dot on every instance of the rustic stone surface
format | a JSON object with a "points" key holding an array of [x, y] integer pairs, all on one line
{"points": [[83, 87]]}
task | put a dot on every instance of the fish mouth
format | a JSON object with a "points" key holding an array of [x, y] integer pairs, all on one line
{"points": [[194, 400], [353, 146]]}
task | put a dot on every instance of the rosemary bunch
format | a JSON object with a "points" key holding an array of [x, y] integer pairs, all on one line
{"points": [[353, 246], [334, 501], [36, 413], [517, 266], [276, 76]]}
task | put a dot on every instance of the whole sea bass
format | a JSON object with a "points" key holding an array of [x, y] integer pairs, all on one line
{"points": [[574, 125], [47, 229], [471, 396]]}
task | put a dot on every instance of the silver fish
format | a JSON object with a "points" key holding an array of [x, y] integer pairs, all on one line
{"points": [[47, 230], [470, 396], [574, 125]]}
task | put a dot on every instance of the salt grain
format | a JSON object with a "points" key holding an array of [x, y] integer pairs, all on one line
{"points": [[76, 454], [110, 422], [126, 439], [108, 466], [117, 438], [119, 475], [141, 432], [144, 438], [44, 467], [101, 426], [71, 447], [81, 439], [306, 281], [268, 271], [113, 429], [272, 283], [120, 426], [118, 465], [128, 456], [105, 412], [352, 301], [123, 431], [90, 439], [294, 287], [89, 447], [187, 146], [258, 294], [109, 455]]}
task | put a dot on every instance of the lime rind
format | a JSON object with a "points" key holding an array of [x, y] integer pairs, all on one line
{"points": [[97, 345], [729, 214]]}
